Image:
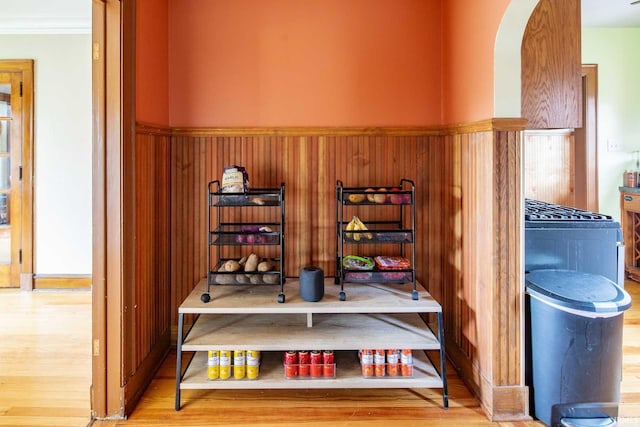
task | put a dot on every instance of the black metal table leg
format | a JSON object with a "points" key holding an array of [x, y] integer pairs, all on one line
{"points": [[179, 359], [443, 361]]}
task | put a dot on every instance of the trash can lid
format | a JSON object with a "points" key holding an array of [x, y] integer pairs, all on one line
{"points": [[577, 291]]}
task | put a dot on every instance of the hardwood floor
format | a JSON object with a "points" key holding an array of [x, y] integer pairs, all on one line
{"points": [[45, 358], [629, 410], [45, 375]]}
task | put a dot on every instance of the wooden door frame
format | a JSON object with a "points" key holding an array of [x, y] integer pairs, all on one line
{"points": [[112, 78], [586, 143], [25, 269]]}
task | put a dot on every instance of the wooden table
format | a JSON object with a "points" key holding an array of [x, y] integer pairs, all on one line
{"points": [[375, 316]]}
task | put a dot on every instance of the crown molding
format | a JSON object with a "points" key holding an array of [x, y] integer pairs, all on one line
{"points": [[45, 26]]}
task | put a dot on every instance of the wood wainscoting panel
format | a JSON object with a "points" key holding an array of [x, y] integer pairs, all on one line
{"points": [[152, 254], [468, 243], [147, 290], [549, 166], [480, 241], [309, 166]]}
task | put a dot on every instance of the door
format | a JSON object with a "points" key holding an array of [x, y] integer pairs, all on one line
{"points": [[15, 119]]}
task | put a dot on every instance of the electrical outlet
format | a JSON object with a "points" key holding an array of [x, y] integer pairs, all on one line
{"points": [[613, 145]]}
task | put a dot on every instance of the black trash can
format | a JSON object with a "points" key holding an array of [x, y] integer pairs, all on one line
{"points": [[575, 334]]}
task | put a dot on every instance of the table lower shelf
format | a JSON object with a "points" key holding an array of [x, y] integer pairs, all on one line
{"points": [[348, 375], [317, 331]]}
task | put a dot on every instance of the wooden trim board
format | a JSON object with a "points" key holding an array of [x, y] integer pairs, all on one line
{"points": [[62, 282]]}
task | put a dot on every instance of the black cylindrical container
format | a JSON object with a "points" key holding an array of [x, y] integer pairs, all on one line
{"points": [[311, 284]]}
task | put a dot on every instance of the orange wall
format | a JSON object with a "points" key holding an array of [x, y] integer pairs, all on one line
{"points": [[315, 63], [469, 34], [305, 62], [152, 62]]}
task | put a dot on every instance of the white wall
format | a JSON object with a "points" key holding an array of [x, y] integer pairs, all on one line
{"points": [[617, 53], [62, 148]]}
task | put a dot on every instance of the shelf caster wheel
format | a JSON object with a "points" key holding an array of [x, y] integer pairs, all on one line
{"points": [[342, 296], [414, 296], [205, 298], [281, 298]]}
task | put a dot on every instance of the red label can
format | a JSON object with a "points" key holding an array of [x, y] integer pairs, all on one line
{"points": [[304, 361], [291, 364], [316, 364], [328, 364]]}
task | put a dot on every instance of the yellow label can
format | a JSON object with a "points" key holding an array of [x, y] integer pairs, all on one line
{"points": [[239, 364], [225, 364]]}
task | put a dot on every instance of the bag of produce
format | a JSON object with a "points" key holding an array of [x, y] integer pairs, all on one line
{"points": [[392, 263], [235, 179], [354, 262]]}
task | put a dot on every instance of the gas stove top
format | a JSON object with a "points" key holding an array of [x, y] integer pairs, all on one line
{"points": [[535, 210]]}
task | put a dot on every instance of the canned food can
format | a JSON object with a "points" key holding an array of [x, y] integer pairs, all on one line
{"points": [[379, 363], [393, 360], [304, 361], [406, 363], [252, 371], [316, 364], [328, 364], [239, 364], [225, 364], [366, 362], [291, 364]]}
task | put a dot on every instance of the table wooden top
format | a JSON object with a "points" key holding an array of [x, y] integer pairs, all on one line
{"points": [[361, 298]]}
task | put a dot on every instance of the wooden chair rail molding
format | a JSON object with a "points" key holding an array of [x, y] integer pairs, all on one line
{"points": [[501, 124]]}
